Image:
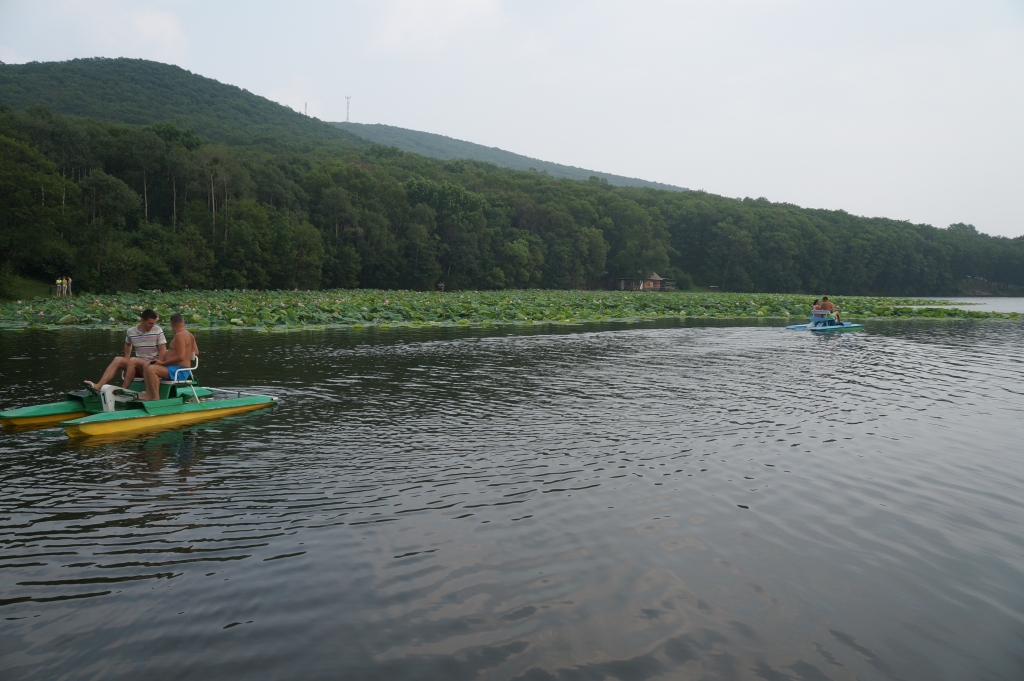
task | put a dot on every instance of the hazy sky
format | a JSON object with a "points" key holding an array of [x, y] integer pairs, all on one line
{"points": [[912, 110]]}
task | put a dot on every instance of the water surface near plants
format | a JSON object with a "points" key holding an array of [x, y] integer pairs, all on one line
{"points": [[662, 501]]}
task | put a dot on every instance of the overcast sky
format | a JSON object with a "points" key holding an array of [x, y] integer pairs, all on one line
{"points": [[911, 110]]}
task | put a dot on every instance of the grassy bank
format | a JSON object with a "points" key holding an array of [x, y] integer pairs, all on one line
{"points": [[21, 287], [354, 308]]}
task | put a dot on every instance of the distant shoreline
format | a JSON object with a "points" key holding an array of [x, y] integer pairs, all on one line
{"points": [[359, 308]]}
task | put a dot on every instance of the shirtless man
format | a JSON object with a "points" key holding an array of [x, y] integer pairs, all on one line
{"points": [[175, 363], [827, 305], [149, 343]]}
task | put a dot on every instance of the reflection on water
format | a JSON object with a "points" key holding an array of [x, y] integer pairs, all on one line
{"points": [[622, 502]]}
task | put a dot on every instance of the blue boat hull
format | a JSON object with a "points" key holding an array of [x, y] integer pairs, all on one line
{"points": [[827, 328]]}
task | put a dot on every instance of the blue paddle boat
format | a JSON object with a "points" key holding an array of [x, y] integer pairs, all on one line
{"points": [[823, 321]]}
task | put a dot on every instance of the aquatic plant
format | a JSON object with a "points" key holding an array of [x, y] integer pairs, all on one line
{"points": [[360, 307]]}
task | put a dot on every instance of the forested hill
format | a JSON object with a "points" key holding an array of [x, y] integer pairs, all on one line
{"points": [[140, 92], [448, 148], [121, 193]]}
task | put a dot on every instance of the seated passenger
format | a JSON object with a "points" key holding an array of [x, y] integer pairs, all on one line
{"points": [[815, 305], [827, 305], [175, 364], [149, 343]]}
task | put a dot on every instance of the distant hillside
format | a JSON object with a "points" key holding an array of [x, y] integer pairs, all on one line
{"points": [[439, 146], [121, 207], [140, 92]]}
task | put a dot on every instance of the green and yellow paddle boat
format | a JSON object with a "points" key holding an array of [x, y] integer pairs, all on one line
{"points": [[112, 410]]}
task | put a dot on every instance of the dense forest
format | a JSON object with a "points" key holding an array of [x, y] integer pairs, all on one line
{"points": [[141, 92], [447, 148], [231, 193]]}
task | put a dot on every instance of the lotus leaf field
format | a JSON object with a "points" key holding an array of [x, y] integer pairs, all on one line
{"points": [[281, 310]]}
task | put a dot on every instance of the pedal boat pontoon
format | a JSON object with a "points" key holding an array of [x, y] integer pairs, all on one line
{"points": [[113, 410], [823, 321]]}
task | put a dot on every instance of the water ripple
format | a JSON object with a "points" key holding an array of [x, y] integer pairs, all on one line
{"points": [[629, 501]]}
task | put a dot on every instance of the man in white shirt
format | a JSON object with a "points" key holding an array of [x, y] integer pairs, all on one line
{"points": [[149, 343]]}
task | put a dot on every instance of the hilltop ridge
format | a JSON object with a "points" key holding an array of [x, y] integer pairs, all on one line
{"points": [[142, 92], [449, 148]]}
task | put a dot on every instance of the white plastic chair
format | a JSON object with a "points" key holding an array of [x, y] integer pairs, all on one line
{"points": [[190, 381], [190, 369]]}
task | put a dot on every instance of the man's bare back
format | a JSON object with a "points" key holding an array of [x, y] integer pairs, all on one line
{"points": [[181, 347], [177, 360], [827, 305]]}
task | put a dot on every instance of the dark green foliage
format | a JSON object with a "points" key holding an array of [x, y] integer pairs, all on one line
{"points": [[141, 92], [280, 310], [38, 210], [8, 280], [447, 148], [204, 196]]}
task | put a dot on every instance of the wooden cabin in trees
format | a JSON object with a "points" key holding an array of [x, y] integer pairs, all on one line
{"points": [[651, 283]]}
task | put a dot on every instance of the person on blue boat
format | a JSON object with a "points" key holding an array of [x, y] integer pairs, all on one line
{"points": [[828, 306], [149, 343], [175, 364], [815, 305]]}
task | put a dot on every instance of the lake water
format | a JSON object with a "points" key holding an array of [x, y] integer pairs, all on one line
{"points": [[661, 501], [987, 303]]}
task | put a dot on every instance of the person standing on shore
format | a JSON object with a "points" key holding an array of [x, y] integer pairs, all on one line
{"points": [[67, 286]]}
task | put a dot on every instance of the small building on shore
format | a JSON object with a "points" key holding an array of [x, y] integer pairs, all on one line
{"points": [[651, 283]]}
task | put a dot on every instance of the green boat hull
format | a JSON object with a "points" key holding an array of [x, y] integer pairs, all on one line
{"points": [[150, 415], [79, 403], [42, 415]]}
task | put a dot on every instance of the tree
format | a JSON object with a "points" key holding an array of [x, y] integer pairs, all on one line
{"points": [[145, 151], [31, 210], [639, 244], [308, 256], [239, 210], [108, 203], [336, 210]]}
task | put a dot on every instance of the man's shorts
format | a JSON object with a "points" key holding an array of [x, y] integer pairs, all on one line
{"points": [[176, 373]]}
